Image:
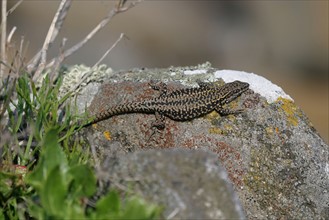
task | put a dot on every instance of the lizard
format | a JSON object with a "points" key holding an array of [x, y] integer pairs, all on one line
{"points": [[181, 104]]}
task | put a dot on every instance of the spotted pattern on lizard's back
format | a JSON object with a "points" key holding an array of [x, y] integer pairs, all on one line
{"points": [[181, 104]]}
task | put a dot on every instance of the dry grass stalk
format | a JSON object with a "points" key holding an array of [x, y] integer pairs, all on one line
{"points": [[109, 50], [14, 7], [3, 39], [63, 55], [39, 61], [54, 29]]}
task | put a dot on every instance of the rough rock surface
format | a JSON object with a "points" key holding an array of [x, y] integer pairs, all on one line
{"points": [[190, 184], [277, 162]]}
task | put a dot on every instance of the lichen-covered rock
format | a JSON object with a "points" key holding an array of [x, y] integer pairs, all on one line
{"points": [[277, 162]]}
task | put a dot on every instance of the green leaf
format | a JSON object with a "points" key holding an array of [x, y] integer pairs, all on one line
{"points": [[54, 192], [23, 90], [84, 181], [51, 156], [2, 215], [5, 183], [34, 89], [53, 153], [35, 210], [65, 97], [75, 211], [108, 205], [18, 122], [137, 208]]}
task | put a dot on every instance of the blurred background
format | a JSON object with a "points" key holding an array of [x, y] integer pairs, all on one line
{"points": [[284, 41]]}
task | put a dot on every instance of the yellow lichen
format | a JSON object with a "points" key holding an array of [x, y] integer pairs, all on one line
{"points": [[107, 135], [290, 110], [215, 130], [269, 131], [212, 115], [228, 127]]}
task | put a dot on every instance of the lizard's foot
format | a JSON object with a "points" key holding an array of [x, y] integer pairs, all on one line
{"points": [[159, 122], [205, 85], [158, 125]]}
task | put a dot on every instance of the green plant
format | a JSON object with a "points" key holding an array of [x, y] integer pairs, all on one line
{"points": [[110, 207], [62, 188], [31, 112], [50, 175], [59, 187]]}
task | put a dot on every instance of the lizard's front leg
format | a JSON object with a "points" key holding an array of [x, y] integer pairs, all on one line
{"points": [[161, 86]]}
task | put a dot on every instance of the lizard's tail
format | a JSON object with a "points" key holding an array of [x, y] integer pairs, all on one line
{"points": [[131, 107]]}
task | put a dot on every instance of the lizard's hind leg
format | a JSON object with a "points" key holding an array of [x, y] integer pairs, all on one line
{"points": [[227, 111], [159, 122]]}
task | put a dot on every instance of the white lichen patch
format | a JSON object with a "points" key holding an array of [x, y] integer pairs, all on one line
{"points": [[193, 72], [78, 76], [257, 83]]}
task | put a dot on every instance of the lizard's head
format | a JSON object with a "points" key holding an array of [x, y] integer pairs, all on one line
{"points": [[233, 90]]}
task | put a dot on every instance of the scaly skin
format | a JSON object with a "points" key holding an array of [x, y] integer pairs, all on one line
{"points": [[181, 104]]}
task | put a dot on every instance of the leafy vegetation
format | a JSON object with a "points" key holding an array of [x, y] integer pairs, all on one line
{"points": [[45, 171]]}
